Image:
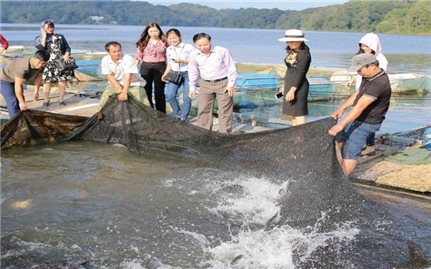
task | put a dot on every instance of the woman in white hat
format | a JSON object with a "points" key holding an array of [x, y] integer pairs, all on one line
{"points": [[296, 85]]}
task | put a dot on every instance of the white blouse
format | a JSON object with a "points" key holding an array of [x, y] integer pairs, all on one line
{"points": [[182, 52]]}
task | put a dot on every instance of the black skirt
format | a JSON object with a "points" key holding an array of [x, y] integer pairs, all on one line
{"points": [[299, 106]]}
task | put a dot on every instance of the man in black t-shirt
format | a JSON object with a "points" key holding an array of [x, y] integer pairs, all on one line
{"points": [[369, 107]]}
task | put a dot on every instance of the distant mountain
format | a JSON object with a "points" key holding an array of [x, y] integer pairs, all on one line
{"points": [[400, 16]]}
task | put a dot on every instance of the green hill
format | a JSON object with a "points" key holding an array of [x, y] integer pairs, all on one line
{"points": [[400, 16]]}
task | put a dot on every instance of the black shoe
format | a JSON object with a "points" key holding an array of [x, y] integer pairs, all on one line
{"points": [[46, 104], [62, 103]]}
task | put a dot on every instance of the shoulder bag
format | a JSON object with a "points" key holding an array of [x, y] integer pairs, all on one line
{"points": [[175, 76], [62, 66]]}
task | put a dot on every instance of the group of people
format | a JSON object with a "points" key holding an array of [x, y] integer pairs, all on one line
{"points": [[41, 67], [212, 68], [369, 104], [157, 54], [355, 133]]}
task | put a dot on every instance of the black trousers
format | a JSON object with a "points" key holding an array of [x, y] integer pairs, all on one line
{"points": [[152, 73]]}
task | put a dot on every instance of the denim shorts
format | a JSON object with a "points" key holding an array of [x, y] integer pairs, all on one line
{"points": [[354, 137]]}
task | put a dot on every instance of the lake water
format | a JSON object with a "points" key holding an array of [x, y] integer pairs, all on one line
{"points": [[114, 209], [406, 53], [81, 201]]}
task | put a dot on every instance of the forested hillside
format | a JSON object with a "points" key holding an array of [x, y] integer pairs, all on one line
{"points": [[397, 16], [409, 17]]}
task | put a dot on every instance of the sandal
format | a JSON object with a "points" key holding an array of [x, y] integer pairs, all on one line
{"points": [[372, 153]]}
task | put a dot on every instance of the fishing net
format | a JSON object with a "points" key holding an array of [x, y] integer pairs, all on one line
{"points": [[317, 196], [33, 127]]}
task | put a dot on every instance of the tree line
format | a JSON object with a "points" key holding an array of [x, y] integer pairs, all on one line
{"points": [[395, 16]]}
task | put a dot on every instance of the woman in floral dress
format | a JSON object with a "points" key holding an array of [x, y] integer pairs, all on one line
{"points": [[58, 48]]}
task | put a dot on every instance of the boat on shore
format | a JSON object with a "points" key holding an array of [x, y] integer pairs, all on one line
{"points": [[257, 89], [401, 84], [257, 83]]}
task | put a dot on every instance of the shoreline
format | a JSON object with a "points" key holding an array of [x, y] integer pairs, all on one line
{"points": [[243, 66]]}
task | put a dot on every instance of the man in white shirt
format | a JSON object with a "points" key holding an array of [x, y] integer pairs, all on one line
{"points": [[214, 69], [122, 74]]}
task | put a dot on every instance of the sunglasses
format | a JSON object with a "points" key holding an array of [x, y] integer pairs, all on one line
{"points": [[49, 21]]}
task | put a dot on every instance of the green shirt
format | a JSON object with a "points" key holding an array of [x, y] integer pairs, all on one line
{"points": [[19, 67]]}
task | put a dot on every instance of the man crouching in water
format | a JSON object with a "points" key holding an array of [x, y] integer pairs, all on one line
{"points": [[370, 105]]}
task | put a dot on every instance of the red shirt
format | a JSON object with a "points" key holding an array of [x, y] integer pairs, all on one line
{"points": [[4, 42]]}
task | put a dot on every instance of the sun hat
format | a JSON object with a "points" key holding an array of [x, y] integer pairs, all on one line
{"points": [[293, 35], [361, 60]]}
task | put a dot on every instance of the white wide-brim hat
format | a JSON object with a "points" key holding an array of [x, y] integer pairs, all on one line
{"points": [[293, 35]]}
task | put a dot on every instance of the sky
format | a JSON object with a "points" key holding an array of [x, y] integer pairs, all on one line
{"points": [[236, 4]]}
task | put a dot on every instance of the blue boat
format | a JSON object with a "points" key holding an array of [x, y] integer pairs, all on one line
{"points": [[260, 89], [257, 81], [254, 89], [89, 67]]}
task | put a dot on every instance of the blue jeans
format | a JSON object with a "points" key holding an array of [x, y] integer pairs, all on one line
{"points": [[354, 137], [371, 139], [7, 89], [171, 97]]}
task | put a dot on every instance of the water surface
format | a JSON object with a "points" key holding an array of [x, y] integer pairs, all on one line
{"points": [[406, 53], [114, 209]]}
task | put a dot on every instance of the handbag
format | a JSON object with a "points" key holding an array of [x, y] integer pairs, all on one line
{"points": [[175, 77], [62, 66]]}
